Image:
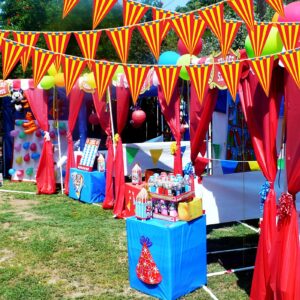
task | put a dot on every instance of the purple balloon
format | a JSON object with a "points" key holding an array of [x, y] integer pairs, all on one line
{"points": [[14, 133], [18, 147]]}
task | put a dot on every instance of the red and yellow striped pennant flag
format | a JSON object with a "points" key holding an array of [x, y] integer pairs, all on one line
{"points": [[100, 9], [263, 68], [189, 29], [277, 5], [88, 42], [159, 14], [72, 67], [41, 62], [68, 6], [152, 34], [57, 42], [291, 60], [229, 32], [199, 75], [136, 75], [11, 54], [231, 72], [167, 77], [121, 38], [258, 36], [26, 38], [3, 35], [133, 12], [103, 72], [289, 33], [214, 18], [244, 8]]}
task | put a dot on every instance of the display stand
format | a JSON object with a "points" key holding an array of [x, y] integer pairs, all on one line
{"points": [[87, 186], [178, 250]]}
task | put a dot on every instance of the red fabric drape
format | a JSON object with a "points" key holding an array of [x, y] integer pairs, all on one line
{"points": [[123, 102], [200, 117], [171, 113], [261, 113], [104, 120], [75, 101], [287, 246], [45, 178]]}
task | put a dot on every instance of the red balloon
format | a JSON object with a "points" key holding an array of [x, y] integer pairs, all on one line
{"points": [[138, 117], [291, 13], [27, 157], [181, 48], [93, 119]]}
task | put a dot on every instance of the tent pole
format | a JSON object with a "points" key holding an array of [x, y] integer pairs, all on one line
{"points": [[111, 119], [58, 137]]}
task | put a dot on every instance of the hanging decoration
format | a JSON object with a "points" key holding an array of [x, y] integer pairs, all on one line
{"points": [[263, 69], [289, 33], [189, 29], [121, 38], [11, 54], [199, 75], [229, 32], [231, 72], [136, 75], [100, 9], [258, 36], [88, 42], [3, 35], [244, 8], [41, 62], [73, 68], [277, 5], [27, 38], [133, 12], [138, 117], [153, 33], [167, 77], [155, 155], [160, 15], [57, 42], [68, 6], [291, 61], [103, 73]]}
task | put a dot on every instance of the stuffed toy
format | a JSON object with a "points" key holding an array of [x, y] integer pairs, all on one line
{"points": [[18, 99]]}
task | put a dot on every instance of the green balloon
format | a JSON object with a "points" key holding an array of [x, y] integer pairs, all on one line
{"points": [[120, 70], [273, 44], [22, 135], [29, 171], [47, 82], [185, 60]]}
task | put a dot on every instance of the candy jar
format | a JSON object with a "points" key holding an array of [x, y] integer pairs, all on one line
{"points": [[163, 208], [172, 210]]}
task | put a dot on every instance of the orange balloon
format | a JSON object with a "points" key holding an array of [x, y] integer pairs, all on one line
{"points": [[59, 80]]}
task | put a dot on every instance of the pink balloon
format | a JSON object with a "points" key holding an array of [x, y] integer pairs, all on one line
{"points": [[291, 13], [26, 157], [18, 147], [181, 48], [20, 173], [14, 133]]}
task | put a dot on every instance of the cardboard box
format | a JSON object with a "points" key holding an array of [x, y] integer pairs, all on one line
{"points": [[131, 191]]}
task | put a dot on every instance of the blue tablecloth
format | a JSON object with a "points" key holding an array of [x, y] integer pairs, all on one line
{"points": [[87, 186], [178, 250]]}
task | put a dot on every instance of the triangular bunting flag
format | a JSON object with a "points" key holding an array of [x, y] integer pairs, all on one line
{"points": [[280, 163], [161, 15], [214, 17], [244, 8], [57, 42], [68, 6], [289, 33], [3, 35], [136, 75], [121, 38], [101, 9], [72, 67], [167, 77], [258, 36], [26, 38], [11, 54], [189, 29], [263, 67], [228, 166], [152, 33], [155, 155], [88, 42], [231, 73], [182, 150], [277, 5], [217, 150], [291, 60], [103, 72], [133, 12], [199, 75], [229, 32], [253, 165], [131, 154], [41, 62]]}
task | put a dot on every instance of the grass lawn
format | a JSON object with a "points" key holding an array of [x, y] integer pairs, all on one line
{"points": [[52, 247]]}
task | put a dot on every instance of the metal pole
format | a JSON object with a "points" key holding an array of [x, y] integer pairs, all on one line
{"points": [[111, 119]]}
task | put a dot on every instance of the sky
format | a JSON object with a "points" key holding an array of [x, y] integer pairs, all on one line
{"points": [[172, 4]]}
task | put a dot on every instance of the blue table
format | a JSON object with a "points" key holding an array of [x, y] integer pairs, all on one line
{"points": [[178, 250], [87, 186]]}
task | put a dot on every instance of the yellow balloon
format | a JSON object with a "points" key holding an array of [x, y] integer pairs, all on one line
{"points": [[59, 80], [90, 80], [275, 18], [52, 70]]}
